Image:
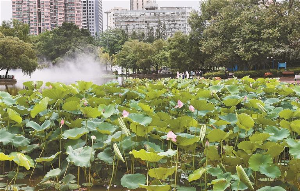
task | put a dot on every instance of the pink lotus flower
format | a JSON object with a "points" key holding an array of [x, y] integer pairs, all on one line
{"points": [[179, 104], [62, 122], [125, 113], [191, 108], [206, 144], [50, 87], [245, 98], [171, 136]]}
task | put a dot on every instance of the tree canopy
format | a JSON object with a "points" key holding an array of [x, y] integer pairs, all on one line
{"points": [[16, 29], [17, 54]]}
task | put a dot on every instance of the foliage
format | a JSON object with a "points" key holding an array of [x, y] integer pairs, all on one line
{"points": [[17, 54], [15, 28], [241, 134], [61, 40]]}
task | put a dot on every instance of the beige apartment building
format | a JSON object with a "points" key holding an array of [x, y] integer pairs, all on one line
{"points": [[43, 15], [146, 15]]}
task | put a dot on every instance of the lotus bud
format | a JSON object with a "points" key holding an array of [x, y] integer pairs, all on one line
{"points": [[50, 86], [245, 98], [202, 132], [117, 152], [191, 108], [123, 126], [125, 113], [243, 176], [62, 122], [179, 104], [93, 137], [171, 136], [206, 144]]}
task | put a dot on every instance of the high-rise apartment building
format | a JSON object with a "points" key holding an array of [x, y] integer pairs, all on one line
{"points": [[140, 4], [42, 15]]}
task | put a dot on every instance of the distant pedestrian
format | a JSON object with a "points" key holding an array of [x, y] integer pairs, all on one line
{"points": [[187, 74]]}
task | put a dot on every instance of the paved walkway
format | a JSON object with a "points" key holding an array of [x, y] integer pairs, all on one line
{"points": [[288, 80]]}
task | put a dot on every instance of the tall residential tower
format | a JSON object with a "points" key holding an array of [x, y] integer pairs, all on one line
{"points": [[42, 15]]}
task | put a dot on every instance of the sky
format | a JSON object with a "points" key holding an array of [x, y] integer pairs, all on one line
{"points": [[5, 6]]}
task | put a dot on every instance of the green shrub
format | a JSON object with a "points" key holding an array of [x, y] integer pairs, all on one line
{"points": [[220, 74]]}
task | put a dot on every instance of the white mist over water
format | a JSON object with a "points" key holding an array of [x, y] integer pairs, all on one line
{"points": [[83, 67]]}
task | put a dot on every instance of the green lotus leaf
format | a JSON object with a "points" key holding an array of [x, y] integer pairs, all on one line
{"points": [[233, 89], [9, 101], [238, 185], [6, 137], [22, 160], [294, 148], [71, 105], [54, 94], [231, 118], [295, 126], [259, 137], [133, 181], [147, 156], [271, 101], [140, 118], [254, 103], [4, 157], [185, 139], [286, 114], [202, 105], [76, 123], [116, 137], [106, 111], [248, 146], [106, 128], [168, 153], [258, 160], [216, 88], [161, 173], [196, 174], [41, 106], [38, 127], [128, 144], [264, 121], [140, 130], [231, 100], [84, 86], [51, 174], [13, 115], [75, 133], [145, 107], [74, 143], [81, 157], [4, 94], [211, 153], [269, 188], [47, 159], [215, 171], [156, 187], [216, 135], [245, 121], [90, 112], [20, 141], [277, 134], [275, 150], [220, 184], [152, 147], [271, 170], [106, 156], [204, 93]]}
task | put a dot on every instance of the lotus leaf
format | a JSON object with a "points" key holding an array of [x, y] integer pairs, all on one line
{"points": [[258, 160], [168, 153], [47, 159], [215, 171], [277, 134], [270, 170], [294, 148], [140, 130], [202, 105], [248, 146], [53, 94], [81, 157], [295, 125], [9, 101], [275, 150], [106, 128], [216, 135], [231, 118], [90, 112], [156, 187], [75, 133], [22, 160], [269, 188], [259, 137], [140, 118], [4, 157], [220, 184], [233, 89], [133, 181], [106, 156], [20, 141], [13, 115], [106, 111], [286, 114], [51, 174], [84, 86], [71, 105], [41, 106], [152, 147], [38, 127], [4, 94], [196, 174], [6, 137], [161, 173], [74, 143], [245, 121], [147, 156]]}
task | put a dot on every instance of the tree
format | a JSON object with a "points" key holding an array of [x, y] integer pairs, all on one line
{"points": [[56, 43], [161, 54], [112, 40], [17, 54], [16, 29]]}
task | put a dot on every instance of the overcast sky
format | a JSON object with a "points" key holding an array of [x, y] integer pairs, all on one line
{"points": [[5, 6]]}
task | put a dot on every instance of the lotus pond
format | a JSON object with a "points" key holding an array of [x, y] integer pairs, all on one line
{"points": [[168, 134]]}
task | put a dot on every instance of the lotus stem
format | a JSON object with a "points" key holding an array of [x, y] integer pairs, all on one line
{"points": [[112, 174], [78, 176], [36, 163], [147, 173], [59, 147], [176, 169], [66, 170]]}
